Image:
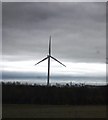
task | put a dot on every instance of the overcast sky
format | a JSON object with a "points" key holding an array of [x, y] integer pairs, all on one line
{"points": [[54, 0], [78, 32]]}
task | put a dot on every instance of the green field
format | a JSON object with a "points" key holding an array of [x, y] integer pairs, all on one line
{"points": [[52, 111]]}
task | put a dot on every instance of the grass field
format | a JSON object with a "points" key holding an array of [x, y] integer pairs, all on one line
{"points": [[52, 111]]}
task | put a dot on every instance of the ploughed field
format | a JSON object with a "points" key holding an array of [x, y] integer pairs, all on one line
{"points": [[53, 111]]}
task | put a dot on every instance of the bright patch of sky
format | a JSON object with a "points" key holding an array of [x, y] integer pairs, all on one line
{"points": [[87, 69]]}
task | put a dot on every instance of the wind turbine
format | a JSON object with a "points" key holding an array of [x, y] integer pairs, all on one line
{"points": [[48, 57]]}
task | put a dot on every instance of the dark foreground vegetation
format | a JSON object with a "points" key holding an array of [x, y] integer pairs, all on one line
{"points": [[17, 93]]}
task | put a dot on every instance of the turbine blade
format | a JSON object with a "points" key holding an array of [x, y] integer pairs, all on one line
{"points": [[41, 61], [58, 61], [50, 45]]}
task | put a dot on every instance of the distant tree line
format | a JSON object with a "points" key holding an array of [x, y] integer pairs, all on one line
{"points": [[17, 93]]}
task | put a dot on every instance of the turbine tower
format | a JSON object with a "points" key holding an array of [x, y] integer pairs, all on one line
{"points": [[48, 57]]}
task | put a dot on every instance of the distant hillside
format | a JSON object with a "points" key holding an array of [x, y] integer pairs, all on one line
{"points": [[16, 93]]}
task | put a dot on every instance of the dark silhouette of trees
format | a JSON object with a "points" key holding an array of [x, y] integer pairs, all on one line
{"points": [[17, 93]]}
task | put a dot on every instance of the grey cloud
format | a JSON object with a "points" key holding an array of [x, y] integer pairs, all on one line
{"points": [[54, 0], [32, 75], [0, 29], [107, 31], [77, 29]]}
